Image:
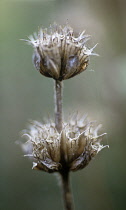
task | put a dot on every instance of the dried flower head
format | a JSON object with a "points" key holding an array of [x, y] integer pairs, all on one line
{"points": [[72, 149], [58, 53]]}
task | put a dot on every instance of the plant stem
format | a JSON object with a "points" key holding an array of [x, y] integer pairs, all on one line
{"points": [[58, 105], [67, 195]]}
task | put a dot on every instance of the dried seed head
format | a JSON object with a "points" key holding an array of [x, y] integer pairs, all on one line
{"points": [[73, 148], [58, 53]]}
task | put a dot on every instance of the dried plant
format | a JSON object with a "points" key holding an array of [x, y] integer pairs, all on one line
{"points": [[61, 146]]}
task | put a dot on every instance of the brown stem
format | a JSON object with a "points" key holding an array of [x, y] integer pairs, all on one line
{"points": [[58, 105], [67, 195]]}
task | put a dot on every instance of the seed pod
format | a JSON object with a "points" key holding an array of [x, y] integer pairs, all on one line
{"points": [[58, 53], [73, 148]]}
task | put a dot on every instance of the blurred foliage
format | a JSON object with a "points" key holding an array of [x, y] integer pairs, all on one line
{"points": [[100, 92]]}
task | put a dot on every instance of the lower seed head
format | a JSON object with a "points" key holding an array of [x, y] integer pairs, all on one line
{"points": [[73, 148]]}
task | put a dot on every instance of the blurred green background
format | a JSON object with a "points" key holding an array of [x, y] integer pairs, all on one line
{"points": [[100, 91]]}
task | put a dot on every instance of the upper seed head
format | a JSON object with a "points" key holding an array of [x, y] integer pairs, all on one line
{"points": [[58, 53]]}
